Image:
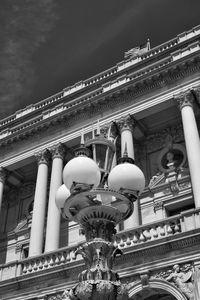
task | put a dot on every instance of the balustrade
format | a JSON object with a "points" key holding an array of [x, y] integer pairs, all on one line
{"points": [[140, 235]]}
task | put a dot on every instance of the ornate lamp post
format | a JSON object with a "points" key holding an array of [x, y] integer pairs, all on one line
{"points": [[98, 199]]}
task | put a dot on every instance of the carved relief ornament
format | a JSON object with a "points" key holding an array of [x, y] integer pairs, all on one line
{"points": [[125, 123], [58, 151], [181, 277], [43, 157], [185, 99]]}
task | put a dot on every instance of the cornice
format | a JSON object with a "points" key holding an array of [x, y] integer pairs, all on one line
{"points": [[132, 109], [184, 39], [68, 101], [92, 102]]}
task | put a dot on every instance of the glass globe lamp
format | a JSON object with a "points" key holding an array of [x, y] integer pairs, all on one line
{"points": [[61, 196], [126, 176], [81, 170]]}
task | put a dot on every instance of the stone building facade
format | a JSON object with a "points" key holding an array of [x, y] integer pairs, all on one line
{"points": [[149, 102]]}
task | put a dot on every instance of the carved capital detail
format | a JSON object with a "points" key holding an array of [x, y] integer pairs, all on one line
{"points": [[58, 151], [110, 130], [43, 157], [3, 174], [125, 123], [196, 92], [185, 99]]}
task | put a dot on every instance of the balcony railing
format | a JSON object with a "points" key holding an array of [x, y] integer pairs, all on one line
{"points": [[136, 237]]}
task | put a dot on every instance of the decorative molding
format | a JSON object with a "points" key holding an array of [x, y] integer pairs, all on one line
{"points": [[144, 280], [43, 157], [157, 205], [181, 276], [137, 85], [185, 99], [125, 123], [18, 248], [75, 133], [58, 151]]}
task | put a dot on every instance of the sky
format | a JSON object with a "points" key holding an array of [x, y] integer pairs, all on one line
{"points": [[47, 45]]}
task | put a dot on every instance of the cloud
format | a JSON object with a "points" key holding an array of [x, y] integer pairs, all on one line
{"points": [[110, 30], [26, 25]]}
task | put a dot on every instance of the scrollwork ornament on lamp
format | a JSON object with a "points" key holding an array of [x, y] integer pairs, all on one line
{"points": [[98, 209]]}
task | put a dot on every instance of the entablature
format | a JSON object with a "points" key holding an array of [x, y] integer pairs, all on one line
{"points": [[122, 72]]}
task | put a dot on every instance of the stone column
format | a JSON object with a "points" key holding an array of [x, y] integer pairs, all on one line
{"points": [[3, 175], [126, 129], [53, 218], [192, 142], [39, 206]]}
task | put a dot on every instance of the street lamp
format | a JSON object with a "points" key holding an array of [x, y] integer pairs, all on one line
{"points": [[98, 199]]}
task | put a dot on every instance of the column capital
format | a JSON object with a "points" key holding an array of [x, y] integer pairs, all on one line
{"points": [[58, 151], [110, 130], [185, 99], [43, 157], [125, 123], [3, 174], [196, 92]]}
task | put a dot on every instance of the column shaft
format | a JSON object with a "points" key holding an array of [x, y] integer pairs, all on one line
{"points": [[126, 127], [193, 147], [127, 139], [53, 218], [38, 219]]}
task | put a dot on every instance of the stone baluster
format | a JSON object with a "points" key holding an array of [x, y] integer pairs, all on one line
{"points": [[38, 219], [53, 217], [3, 176], [192, 142], [126, 129]]}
